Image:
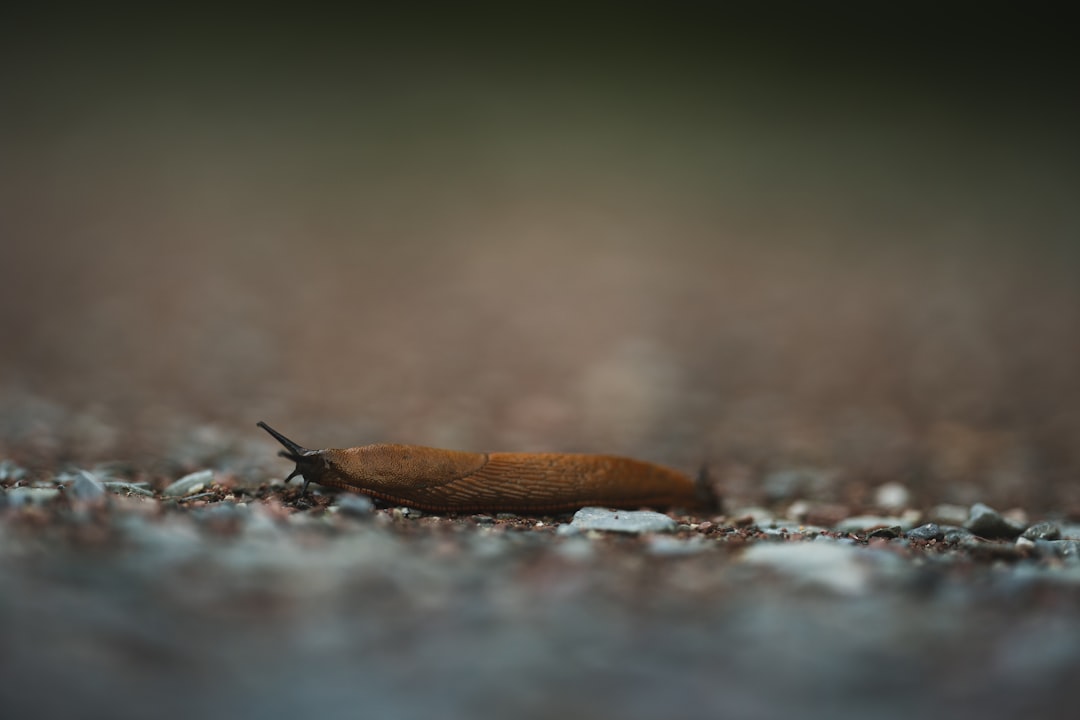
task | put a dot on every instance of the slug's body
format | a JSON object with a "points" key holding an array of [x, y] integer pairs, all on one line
{"points": [[454, 481]]}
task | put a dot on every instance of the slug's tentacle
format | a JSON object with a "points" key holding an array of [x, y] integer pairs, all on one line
{"points": [[295, 450]]}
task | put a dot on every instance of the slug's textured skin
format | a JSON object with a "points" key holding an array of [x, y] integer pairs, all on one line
{"points": [[454, 481]]}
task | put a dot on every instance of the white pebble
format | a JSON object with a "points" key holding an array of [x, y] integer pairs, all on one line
{"points": [[892, 496]]}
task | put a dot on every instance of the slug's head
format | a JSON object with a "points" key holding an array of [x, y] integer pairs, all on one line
{"points": [[310, 464]]}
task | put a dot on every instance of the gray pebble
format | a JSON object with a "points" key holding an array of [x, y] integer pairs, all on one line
{"points": [[625, 521], [948, 514], [892, 496], [927, 532], [1044, 530], [861, 523], [986, 522], [19, 496], [86, 488], [355, 505], [189, 484], [887, 533]]}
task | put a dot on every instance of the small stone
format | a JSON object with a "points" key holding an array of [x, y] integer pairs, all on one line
{"points": [[483, 519], [911, 518], [927, 532], [887, 533], [624, 521], [506, 516], [19, 496], [862, 523], [798, 510], [955, 515], [189, 484], [892, 496], [986, 522], [86, 489], [355, 505], [1044, 530]]}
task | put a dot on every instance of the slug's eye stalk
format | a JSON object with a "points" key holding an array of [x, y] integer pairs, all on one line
{"points": [[305, 459]]}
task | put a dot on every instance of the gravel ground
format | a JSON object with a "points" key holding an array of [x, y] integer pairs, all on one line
{"points": [[215, 598]]}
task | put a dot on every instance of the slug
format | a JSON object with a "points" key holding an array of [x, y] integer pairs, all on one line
{"points": [[452, 481]]}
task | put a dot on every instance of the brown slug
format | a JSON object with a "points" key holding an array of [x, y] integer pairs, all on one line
{"points": [[461, 482]]}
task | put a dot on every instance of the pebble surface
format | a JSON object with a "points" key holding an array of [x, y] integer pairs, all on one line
{"points": [[189, 484], [929, 531], [622, 521], [251, 581], [986, 522], [1044, 530]]}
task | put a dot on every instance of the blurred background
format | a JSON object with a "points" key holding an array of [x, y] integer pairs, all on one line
{"points": [[824, 239]]}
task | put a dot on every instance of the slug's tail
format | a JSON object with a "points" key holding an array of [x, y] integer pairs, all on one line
{"points": [[296, 453]]}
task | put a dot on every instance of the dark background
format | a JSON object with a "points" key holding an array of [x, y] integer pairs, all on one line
{"points": [[825, 238]]}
